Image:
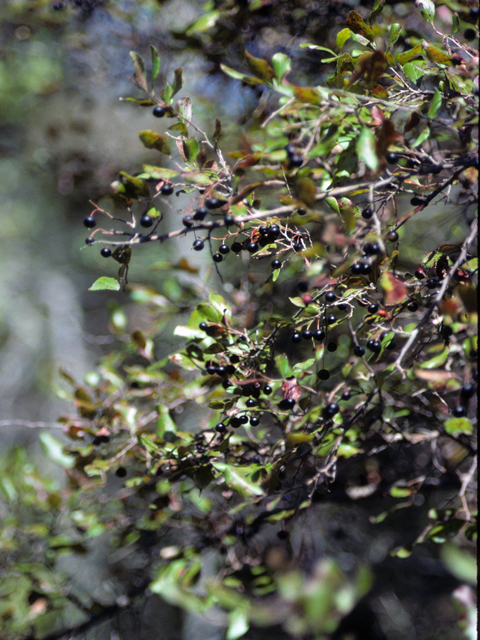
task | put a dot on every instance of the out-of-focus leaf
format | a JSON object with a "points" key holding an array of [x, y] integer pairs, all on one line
{"points": [[155, 62], [427, 9], [395, 292], [281, 65], [458, 425], [54, 449], [139, 72], [165, 424], [342, 37], [366, 148], [178, 80], [402, 58], [237, 478], [356, 23], [435, 104], [142, 102], [259, 67], [376, 11], [157, 173], [306, 190], [153, 140], [438, 57], [105, 283], [461, 564]]}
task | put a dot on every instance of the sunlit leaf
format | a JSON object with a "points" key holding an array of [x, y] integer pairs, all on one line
{"points": [[427, 9], [153, 140], [105, 283], [155, 62], [55, 450], [366, 148]]}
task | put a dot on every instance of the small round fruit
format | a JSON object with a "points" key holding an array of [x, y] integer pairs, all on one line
{"points": [[89, 240], [332, 346], [416, 201], [211, 369], [359, 352], [412, 306], [432, 283], [474, 13], [273, 232], [217, 257], [263, 230], [392, 236], [244, 419], [221, 370], [254, 421], [365, 268], [200, 213], [166, 189], [220, 427], [203, 326], [342, 307], [187, 221], [301, 211], [236, 247], [319, 335], [372, 249], [287, 403], [158, 111], [146, 220], [392, 157], [229, 220], [346, 395], [297, 160], [235, 422], [419, 274], [213, 203], [469, 34], [276, 264], [296, 337], [252, 247], [121, 472], [298, 246], [89, 222], [374, 345], [331, 409], [330, 296], [198, 245], [467, 391], [267, 390], [224, 249], [459, 411], [106, 252], [372, 308], [356, 268], [302, 287], [307, 334], [251, 402], [331, 319], [323, 374], [367, 213]]}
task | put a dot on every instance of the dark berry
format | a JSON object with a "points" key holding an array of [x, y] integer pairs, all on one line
{"points": [[330, 296], [297, 160], [203, 326], [342, 307], [220, 427], [346, 395], [474, 12], [244, 419], [469, 34], [121, 472], [459, 411], [372, 248], [89, 222], [287, 403], [467, 391], [254, 421], [252, 247], [89, 240], [290, 149], [419, 274], [276, 264], [365, 268], [236, 247], [331, 409], [296, 337], [234, 359], [251, 402], [226, 384], [213, 203], [445, 331], [273, 232], [359, 352], [230, 369], [319, 335], [432, 283], [392, 344], [198, 245], [331, 346], [372, 308], [374, 345], [200, 213], [166, 189], [367, 213], [263, 230], [106, 252], [187, 221], [298, 246], [323, 374], [229, 220], [392, 157], [158, 111], [224, 249], [356, 268], [146, 220], [301, 211], [217, 257], [412, 306], [267, 390], [416, 201], [235, 422], [282, 535], [302, 287], [263, 241], [307, 334], [331, 319], [221, 370], [211, 369], [392, 236]]}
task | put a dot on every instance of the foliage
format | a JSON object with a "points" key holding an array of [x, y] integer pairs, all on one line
{"points": [[329, 344]]}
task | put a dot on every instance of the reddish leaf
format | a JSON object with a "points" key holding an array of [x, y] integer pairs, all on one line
{"points": [[357, 25], [291, 389], [395, 291]]}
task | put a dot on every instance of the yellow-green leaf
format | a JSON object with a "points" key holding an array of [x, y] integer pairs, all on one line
{"points": [[259, 67], [105, 283], [153, 140]]}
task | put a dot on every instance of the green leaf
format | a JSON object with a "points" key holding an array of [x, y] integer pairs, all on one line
{"points": [[259, 67], [105, 283], [366, 148], [283, 366], [204, 23], [157, 173], [238, 624], [376, 11], [395, 31], [402, 58], [178, 81], [236, 477], [333, 204], [435, 104], [281, 65], [155, 62], [153, 140], [412, 72], [342, 37], [458, 425], [165, 424], [461, 564], [455, 24], [139, 72], [425, 134], [427, 9], [54, 449], [142, 102]]}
